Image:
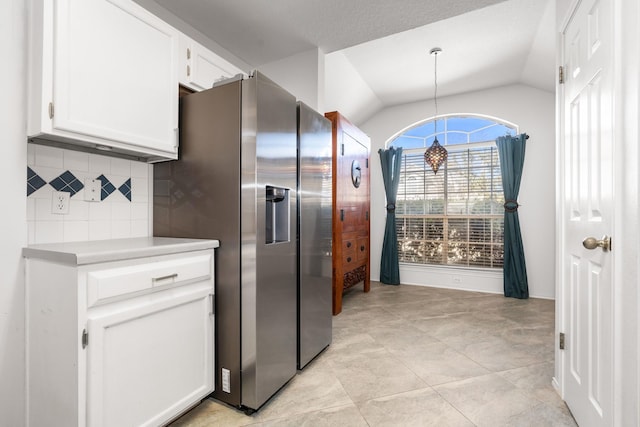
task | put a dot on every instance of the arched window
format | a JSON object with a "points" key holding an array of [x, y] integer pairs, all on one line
{"points": [[454, 217]]}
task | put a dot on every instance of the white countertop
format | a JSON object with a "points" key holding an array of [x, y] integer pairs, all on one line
{"points": [[81, 253]]}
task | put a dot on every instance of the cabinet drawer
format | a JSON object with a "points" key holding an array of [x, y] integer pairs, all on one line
{"points": [[349, 259], [102, 285], [348, 243], [362, 248]]}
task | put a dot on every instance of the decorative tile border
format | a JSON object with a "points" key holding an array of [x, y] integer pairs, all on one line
{"points": [[69, 183], [34, 181], [125, 189], [107, 187]]}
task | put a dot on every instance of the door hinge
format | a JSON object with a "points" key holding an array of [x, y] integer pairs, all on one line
{"points": [[85, 339], [561, 341], [213, 304], [341, 214], [367, 215], [367, 163], [51, 110], [342, 149], [561, 74], [188, 71]]}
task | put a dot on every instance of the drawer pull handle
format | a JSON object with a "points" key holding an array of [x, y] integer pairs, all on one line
{"points": [[362, 248], [349, 259], [348, 244], [170, 276]]}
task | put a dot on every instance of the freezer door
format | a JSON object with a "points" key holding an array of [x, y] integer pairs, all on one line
{"points": [[314, 234]]}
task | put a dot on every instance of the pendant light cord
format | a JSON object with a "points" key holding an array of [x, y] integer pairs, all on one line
{"points": [[435, 88]]}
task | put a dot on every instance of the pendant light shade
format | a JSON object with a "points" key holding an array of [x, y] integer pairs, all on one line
{"points": [[435, 155]]}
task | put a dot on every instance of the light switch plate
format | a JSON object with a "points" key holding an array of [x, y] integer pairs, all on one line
{"points": [[92, 189]]}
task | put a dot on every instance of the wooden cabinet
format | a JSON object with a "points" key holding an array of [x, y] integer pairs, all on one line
{"points": [[127, 342], [351, 207], [200, 68], [103, 77]]}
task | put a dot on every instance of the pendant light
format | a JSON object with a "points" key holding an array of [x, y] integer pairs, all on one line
{"points": [[435, 155]]}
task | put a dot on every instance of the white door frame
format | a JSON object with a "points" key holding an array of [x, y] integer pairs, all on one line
{"points": [[626, 234]]}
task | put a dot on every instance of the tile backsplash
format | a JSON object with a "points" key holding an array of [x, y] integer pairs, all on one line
{"points": [[123, 208]]}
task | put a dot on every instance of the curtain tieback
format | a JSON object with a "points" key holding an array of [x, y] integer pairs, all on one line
{"points": [[391, 207], [511, 206]]}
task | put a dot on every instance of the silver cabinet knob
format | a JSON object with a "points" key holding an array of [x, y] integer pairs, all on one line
{"points": [[592, 243]]}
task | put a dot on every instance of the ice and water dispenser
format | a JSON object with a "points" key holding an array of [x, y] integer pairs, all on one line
{"points": [[277, 217]]}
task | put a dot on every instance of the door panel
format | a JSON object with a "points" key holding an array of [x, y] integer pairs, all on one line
{"points": [[118, 85], [150, 361], [587, 275]]}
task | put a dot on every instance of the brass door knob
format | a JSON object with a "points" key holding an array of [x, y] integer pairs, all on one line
{"points": [[592, 243]]}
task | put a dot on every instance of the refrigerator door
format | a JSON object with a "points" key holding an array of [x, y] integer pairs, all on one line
{"points": [[268, 244], [314, 234]]}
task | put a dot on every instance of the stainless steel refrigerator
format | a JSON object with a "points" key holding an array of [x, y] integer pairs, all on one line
{"points": [[235, 181], [314, 234]]}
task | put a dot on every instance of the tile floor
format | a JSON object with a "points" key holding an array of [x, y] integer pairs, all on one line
{"points": [[418, 356]]}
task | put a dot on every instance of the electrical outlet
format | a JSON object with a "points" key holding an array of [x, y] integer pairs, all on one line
{"points": [[60, 202], [92, 188]]}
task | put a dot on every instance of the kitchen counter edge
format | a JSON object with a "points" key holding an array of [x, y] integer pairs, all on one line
{"points": [[97, 251]]}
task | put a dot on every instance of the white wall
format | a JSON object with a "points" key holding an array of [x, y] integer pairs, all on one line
{"points": [[347, 91], [302, 75], [533, 110], [13, 227]]}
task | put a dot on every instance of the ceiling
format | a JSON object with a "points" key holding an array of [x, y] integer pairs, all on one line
{"points": [[380, 47]]}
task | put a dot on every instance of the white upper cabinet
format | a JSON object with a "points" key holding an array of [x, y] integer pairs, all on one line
{"points": [[104, 75], [200, 68]]}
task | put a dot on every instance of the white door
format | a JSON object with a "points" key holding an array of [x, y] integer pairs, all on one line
{"points": [[586, 175]]}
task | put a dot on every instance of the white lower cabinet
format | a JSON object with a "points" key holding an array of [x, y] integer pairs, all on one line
{"points": [[103, 354]]}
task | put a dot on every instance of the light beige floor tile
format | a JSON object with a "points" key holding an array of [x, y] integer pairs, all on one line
{"points": [[537, 380], [437, 363], [542, 415], [352, 346], [376, 375], [309, 391], [422, 407], [212, 413], [398, 334], [362, 316], [497, 354], [343, 416], [453, 329], [489, 400]]}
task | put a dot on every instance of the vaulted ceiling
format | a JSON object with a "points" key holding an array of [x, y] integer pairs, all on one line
{"points": [[381, 47]]}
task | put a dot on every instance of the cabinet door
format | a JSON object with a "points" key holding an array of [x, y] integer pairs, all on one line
{"points": [[150, 361], [201, 67], [115, 73]]}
